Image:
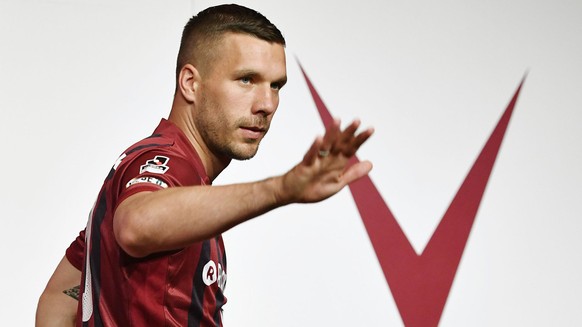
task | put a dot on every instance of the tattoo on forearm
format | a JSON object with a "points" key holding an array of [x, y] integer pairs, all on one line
{"points": [[73, 292]]}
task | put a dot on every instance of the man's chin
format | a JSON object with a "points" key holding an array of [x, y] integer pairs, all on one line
{"points": [[245, 152]]}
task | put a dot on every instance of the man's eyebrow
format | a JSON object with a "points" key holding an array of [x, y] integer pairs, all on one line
{"points": [[245, 72], [282, 81], [252, 73]]}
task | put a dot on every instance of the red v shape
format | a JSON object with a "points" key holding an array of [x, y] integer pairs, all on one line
{"points": [[420, 284]]}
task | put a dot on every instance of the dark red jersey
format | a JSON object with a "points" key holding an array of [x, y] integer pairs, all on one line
{"points": [[176, 288]]}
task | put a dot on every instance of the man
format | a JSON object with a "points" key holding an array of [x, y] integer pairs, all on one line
{"points": [[152, 252]]}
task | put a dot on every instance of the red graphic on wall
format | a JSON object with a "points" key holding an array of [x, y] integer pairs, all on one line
{"points": [[420, 284]]}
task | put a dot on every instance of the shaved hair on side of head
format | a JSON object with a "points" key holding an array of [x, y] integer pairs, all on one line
{"points": [[204, 31]]}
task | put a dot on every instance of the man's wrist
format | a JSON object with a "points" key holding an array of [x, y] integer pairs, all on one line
{"points": [[281, 194]]}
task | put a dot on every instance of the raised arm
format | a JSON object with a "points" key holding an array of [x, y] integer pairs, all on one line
{"points": [[173, 218], [57, 306]]}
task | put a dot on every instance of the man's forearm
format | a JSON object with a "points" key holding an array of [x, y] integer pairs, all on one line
{"points": [[173, 218], [55, 308]]}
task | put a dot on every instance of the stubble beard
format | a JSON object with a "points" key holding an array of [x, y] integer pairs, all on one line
{"points": [[217, 133]]}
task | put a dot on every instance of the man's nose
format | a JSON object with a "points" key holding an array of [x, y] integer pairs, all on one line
{"points": [[267, 100]]}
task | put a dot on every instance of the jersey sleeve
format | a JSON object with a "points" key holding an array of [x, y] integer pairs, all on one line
{"points": [[154, 170], [142, 171], [76, 251]]}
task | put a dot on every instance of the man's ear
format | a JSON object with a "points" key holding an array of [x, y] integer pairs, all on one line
{"points": [[188, 82]]}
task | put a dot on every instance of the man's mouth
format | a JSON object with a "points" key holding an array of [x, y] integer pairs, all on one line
{"points": [[253, 132], [255, 128]]}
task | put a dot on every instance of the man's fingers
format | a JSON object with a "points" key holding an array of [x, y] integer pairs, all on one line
{"points": [[313, 151], [357, 141], [332, 133], [348, 134], [335, 141], [348, 141], [356, 171]]}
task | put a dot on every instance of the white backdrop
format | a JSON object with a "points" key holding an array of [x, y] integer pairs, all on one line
{"points": [[80, 80]]}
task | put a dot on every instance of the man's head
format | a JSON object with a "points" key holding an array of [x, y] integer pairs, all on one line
{"points": [[204, 32], [231, 67]]}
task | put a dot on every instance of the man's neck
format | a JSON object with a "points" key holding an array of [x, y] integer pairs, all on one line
{"points": [[213, 165]]}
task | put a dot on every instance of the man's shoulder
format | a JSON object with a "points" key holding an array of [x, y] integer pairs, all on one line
{"points": [[152, 142]]}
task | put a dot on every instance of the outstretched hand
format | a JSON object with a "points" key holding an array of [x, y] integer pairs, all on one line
{"points": [[325, 168]]}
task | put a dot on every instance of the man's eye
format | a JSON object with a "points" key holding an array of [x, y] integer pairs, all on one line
{"points": [[245, 80], [277, 86]]}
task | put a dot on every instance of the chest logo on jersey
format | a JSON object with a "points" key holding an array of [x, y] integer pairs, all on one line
{"points": [[157, 165], [212, 274]]}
